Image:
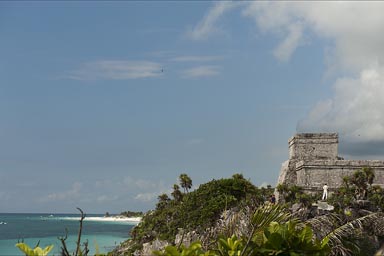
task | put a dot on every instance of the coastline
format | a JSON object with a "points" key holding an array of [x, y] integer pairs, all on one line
{"points": [[116, 218], [103, 233]]}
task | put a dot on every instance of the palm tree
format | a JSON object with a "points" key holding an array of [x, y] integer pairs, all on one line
{"points": [[163, 201], [177, 195], [370, 174], [185, 182], [359, 179]]}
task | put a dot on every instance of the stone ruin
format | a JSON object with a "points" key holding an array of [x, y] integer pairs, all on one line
{"points": [[314, 161]]}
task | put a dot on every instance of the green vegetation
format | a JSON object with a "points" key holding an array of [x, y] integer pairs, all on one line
{"points": [[256, 227], [359, 187], [232, 217], [131, 214], [37, 251], [273, 233], [196, 210], [295, 194]]}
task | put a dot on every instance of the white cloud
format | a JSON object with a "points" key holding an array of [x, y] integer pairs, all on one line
{"points": [[207, 26], [143, 190], [286, 48], [352, 28], [354, 40], [107, 198], [201, 71], [116, 70], [356, 110], [73, 193], [351, 32], [142, 184], [146, 197]]}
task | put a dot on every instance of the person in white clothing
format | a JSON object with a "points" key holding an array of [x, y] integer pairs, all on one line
{"points": [[325, 192]]}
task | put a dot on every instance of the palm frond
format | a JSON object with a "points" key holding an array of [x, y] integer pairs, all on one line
{"points": [[265, 214], [262, 217], [324, 224], [353, 230]]}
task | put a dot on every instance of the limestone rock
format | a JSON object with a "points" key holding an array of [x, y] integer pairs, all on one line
{"points": [[325, 206], [156, 244]]}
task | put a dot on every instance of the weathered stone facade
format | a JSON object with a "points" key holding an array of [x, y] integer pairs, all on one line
{"points": [[313, 161]]}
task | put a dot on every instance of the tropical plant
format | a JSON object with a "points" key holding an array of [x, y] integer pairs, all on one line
{"points": [[130, 214], [185, 182], [229, 246], [177, 195], [198, 210], [163, 201], [294, 194], [37, 251], [290, 238], [271, 233], [194, 249], [229, 217], [348, 237]]}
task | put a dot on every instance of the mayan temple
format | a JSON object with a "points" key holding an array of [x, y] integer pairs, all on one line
{"points": [[313, 161]]}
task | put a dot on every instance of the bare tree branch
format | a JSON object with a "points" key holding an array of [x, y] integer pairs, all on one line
{"points": [[80, 230]]}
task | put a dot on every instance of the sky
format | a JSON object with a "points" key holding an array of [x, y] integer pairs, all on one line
{"points": [[104, 104]]}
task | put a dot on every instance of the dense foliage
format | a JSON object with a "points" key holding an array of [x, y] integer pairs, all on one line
{"points": [[196, 210], [131, 214], [236, 218], [273, 233], [294, 194], [355, 228], [358, 188]]}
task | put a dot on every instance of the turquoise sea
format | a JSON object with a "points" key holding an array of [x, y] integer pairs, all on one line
{"points": [[32, 228]]}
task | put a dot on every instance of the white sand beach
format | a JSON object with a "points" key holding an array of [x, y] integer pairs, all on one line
{"points": [[114, 218], [117, 218]]}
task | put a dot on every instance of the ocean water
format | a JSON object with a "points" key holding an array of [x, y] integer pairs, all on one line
{"points": [[102, 234]]}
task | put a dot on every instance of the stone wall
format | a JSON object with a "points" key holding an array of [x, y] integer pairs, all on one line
{"points": [[313, 146], [313, 161], [311, 175]]}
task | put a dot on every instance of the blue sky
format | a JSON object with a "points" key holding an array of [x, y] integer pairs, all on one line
{"points": [[104, 104]]}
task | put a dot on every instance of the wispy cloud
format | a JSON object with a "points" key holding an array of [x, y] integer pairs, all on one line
{"points": [[196, 58], [142, 184], [207, 26], [146, 197], [107, 198], [73, 193], [115, 70], [201, 71], [142, 190], [353, 48], [285, 49]]}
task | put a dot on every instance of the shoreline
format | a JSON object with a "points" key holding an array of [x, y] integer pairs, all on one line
{"points": [[117, 218], [114, 218]]}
